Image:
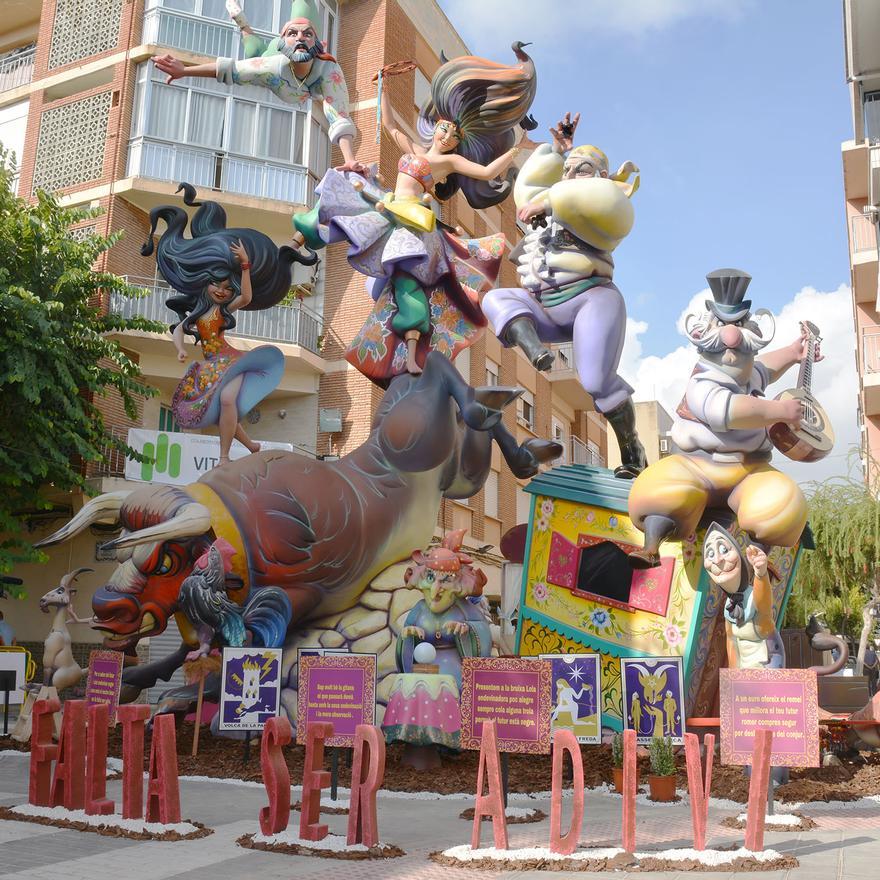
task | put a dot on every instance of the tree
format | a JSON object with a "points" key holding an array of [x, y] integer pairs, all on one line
{"points": [[56, 357], [841, 577]]}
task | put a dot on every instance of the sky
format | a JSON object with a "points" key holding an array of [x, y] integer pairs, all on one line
{"points": [[734, 110]]}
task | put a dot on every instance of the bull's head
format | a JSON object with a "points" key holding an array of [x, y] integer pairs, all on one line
{"points": [[163, 532]]}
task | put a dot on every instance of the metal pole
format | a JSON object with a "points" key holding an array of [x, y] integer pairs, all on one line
{"points": [[247, 746], [334, 771], [504, 772]]}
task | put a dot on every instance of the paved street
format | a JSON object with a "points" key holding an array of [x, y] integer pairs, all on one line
{"points": [[845, 845]]}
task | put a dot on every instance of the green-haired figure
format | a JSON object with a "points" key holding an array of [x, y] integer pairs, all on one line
{"points": [[295, 66]]}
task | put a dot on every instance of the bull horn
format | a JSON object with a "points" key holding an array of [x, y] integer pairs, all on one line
{"points": [[192, 519], [104, 508], [70, 577]]}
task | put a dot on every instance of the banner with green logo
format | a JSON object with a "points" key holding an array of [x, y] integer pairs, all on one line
{"points": [[178, 458]]}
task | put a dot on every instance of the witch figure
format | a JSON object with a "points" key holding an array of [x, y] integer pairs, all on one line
{"points": [[425, 280], [215, 273]]}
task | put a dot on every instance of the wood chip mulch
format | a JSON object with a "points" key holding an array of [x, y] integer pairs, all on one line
{"points": [[108, 830], [386, 851]]}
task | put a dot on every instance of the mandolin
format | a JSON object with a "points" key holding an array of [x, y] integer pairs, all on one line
{"points": [[814, 438]]}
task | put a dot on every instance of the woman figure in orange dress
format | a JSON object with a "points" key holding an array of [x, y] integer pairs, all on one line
{"points": [[214, 274]]}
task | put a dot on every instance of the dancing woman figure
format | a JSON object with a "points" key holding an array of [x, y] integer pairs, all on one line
{"points": [[424, 279], [214, 274]]}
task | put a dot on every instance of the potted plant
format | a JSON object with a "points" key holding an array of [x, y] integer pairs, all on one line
{"points": [[617, 761], [662, 777]]}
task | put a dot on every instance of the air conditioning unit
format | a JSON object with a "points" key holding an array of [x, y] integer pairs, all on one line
{"points": [[664, 444]]}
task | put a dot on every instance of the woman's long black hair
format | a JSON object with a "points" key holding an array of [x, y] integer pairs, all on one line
{"points": [[190, 264]]}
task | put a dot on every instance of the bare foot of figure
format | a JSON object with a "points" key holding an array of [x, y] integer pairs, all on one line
{"points": [[245, 440]]}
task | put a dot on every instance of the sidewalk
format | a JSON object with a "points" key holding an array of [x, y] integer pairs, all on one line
{"points": [[845, 845]]}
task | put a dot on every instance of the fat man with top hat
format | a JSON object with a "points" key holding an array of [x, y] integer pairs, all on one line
{"points": [[720, 432]]}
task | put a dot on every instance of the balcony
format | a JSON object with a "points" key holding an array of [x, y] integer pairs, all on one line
{"points": [[201, 36], [871, 371], [863, 249], [565, 379], [17, 68], [219, 170], [294, 324], [582, 454]]}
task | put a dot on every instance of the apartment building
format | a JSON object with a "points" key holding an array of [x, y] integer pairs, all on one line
{"points": [[861, 185], [89, 117]]}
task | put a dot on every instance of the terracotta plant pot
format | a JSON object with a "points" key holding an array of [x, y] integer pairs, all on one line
{"points": [[662, 787], [617, 773]]}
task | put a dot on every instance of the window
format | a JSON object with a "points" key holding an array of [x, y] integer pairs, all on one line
{"points": [[491, 372], [871, 103], [274, 134], [260, 13], [167, 422], [523, 505], [319, 150], [526, 410], [490, 495], [263, 127], [205, 119]]}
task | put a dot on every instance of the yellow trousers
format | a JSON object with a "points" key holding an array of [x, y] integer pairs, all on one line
{"points": [[768, 504]]}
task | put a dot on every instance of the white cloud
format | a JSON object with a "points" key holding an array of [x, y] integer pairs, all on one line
{"points": [[835, 384], [508, 21]]}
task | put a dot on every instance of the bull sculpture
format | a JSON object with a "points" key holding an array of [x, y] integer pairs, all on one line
{"points": [[320, 531]]}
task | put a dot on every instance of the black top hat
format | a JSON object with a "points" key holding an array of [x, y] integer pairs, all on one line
{"points": [[729, 286]]}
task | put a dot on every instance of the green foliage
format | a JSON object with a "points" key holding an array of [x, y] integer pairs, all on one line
{"points": [[617, 749], [837, 578], [55, 357], [662, 756]]}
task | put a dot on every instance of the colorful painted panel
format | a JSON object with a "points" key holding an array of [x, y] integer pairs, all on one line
{"points": [[576, 696], [537, 639], [559, 525], [563, 562], [653, 695], [251, 687]]}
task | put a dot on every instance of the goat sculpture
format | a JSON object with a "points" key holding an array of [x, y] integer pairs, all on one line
{"points": [[60, 669]]}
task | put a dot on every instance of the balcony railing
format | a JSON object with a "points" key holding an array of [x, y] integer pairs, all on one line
{"points": [[871, 351], [564, 358], [863, 234], [202, 36], [113, 464], [295, 324], [582, 454], [215, 169], [17, 69]]}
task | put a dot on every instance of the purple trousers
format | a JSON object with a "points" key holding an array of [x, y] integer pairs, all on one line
{"points": [[594, 321]]}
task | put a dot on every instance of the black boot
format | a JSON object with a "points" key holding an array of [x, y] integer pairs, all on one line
{"points": [[632, 454], [521, 331], [657, 529]]}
